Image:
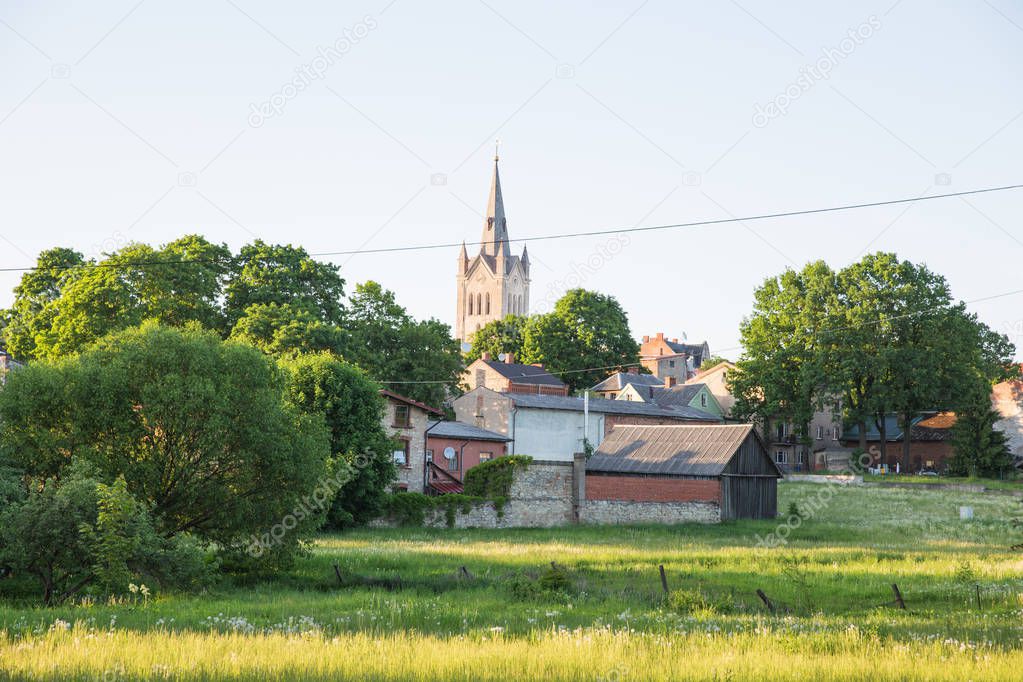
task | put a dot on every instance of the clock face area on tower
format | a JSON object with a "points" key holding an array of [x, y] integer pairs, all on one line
{"points": [[493, 283]]}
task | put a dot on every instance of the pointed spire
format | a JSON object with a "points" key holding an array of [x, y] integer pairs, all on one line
{"points": [[495, 226], [463, 260]]}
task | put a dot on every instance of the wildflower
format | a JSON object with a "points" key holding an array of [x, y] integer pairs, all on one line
{"points": [[133, 588]]}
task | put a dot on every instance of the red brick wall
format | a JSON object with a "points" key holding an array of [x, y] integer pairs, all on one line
{"points": [[469, 452], [651, 489]]}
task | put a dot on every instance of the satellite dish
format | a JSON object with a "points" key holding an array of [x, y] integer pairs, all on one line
{"points": [[502, 357], [449, 453]]}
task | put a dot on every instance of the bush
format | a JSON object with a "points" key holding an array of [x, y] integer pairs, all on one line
{"points": [[695, 602], [493, 479], [552, 582], [409, 509]]}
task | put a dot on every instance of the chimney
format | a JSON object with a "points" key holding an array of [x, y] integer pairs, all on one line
{"points": [[485, 356], [669, 382], [634, 370], [646, 339], [674, 340], [509, 358], [660, 336]]}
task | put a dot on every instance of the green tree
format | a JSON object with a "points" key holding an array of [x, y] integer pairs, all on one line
{"points": [[979, 449], [353, 408], [582, 339], [284, 275], [30, 315], [781, 373], [186, 283], [497, 337], [712, 362], [418, 359], [286, 329], [196, 426]]}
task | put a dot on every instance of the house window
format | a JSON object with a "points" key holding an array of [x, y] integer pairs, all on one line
{"points": [[453, 462], [703, 400], [820, 432], [838, 433], [781, 457], [671, 363], [486, 456], [402, 417], [401, 455], [781, 431]]}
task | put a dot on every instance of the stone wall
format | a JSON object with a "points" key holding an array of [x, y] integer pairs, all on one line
{"points": [[610, 512], [545, 495]]}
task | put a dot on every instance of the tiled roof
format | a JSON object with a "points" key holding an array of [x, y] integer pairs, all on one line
{"points": [[463, 431], [620, 380], [524, 374], [601, 406], [669, 450]]}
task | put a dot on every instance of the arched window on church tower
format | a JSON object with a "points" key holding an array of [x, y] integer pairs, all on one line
{"points": [[470, 304], [488, 303], [479, 304]]}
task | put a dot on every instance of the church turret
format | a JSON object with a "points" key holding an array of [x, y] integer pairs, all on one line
{"points": [[463, 260]]}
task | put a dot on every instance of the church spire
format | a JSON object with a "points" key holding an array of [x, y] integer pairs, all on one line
{"points": [[495, 226]]}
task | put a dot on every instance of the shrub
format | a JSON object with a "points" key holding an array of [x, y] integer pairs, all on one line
{"points": [[695, 602], [409, 509], [493, 479]]}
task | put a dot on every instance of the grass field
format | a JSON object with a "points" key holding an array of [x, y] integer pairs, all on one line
{"points": [[408, 612]]}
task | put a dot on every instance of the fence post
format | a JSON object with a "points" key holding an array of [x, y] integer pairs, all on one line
{"points": [[664, 579]]}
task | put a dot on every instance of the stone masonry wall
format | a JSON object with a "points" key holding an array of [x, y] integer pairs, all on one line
{"points": [[541, 496]]}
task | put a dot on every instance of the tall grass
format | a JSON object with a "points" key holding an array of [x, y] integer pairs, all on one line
{"points": [[610, 620]]}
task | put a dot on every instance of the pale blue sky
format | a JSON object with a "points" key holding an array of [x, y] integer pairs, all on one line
{"points": [[132, 121]]}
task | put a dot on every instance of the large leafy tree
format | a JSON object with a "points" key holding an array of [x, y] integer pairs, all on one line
{"points": [[781, 374], [499, 336], [351, 404], [418, 359], [287, 329], [31, 314], [277, 274], [197, 428], [582, 339]]}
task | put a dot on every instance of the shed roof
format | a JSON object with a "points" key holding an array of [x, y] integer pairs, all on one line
{"points": [[409, 401], [602, 406], [463, 431], [670, 450]]}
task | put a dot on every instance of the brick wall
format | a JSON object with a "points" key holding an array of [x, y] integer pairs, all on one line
{"points": [[649, 489]]}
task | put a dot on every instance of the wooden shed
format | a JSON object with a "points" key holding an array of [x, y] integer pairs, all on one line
{"points": [[726, 465]]}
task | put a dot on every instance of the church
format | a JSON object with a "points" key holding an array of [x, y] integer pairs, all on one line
{"points": [[493, 283]]}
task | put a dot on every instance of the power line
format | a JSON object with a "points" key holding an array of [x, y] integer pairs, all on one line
{"points": [[549, 237], [698, 223]]}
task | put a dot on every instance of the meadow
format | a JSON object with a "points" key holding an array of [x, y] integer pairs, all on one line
{"points": [[400, 606]]}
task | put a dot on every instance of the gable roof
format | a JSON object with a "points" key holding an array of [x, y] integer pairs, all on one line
{"points": [[703, 374], [409, 401], [620, 380], [694, 350], [523, 374], [602, 406], [672, 450], [446, 429]]}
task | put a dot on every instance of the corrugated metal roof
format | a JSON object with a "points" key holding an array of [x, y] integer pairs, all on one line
{"points": [[670, 450], [463, 431], [602, 406]]}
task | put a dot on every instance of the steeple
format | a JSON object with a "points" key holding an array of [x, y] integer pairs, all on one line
{"points": [[495, 226]]}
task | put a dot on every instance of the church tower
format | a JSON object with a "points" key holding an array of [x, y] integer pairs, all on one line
{"points": [[493, 283]]}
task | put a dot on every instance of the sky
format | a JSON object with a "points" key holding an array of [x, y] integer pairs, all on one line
{"points": [[341, 126]]}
